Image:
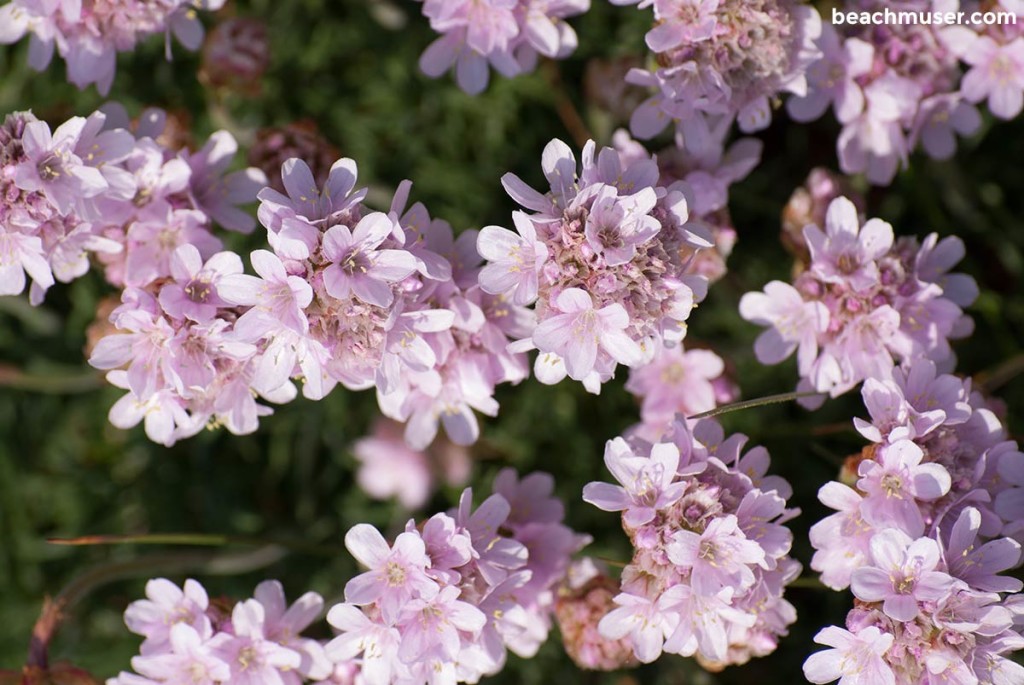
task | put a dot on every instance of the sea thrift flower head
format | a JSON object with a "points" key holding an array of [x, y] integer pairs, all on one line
{"points": [[710, 67], [710, 559], [88, 38], [898, 85], [865, 303], [494, 572], [209, 643], [612, 252], [505, 34]]}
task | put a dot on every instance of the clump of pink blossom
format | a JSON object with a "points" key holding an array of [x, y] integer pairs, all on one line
{"points": [[924, 538], [866, 303], [90, 189], [190, 639], [722, 60], [711, 551], [508, 35], [899, 86], [447, 599], [88, 34], [606, 256], [346, 295]]}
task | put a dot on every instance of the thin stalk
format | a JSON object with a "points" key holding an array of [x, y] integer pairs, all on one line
{"points": [[195, 540], [759, 402]]}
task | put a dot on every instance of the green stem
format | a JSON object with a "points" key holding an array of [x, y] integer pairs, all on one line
{"points": [[196, 540], [759, 402]]}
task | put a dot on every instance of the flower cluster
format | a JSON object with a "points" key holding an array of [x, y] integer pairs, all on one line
{"points": [[90, 187], [508, 35], [390, 468], [191, 639], [606, 255], [722, 60], [920, 539], [88, 34], [350, 296], [864, 303], [711, 556], [446, 600], [899, 85]]}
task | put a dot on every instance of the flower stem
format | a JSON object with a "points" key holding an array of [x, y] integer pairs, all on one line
{"points": [[194, 539], [759, 402]]}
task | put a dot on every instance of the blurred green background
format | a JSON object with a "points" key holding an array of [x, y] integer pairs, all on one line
{"points": [[350, 67]]}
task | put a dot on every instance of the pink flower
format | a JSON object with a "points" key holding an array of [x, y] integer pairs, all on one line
{"points": [[902, 576], [841, 541], [253, 657], [997, 74], [895, 481], [719, 557], [704, 621], [979, 565], [165, 606], [191, 659], [847, 252], [358, 267], [276, 298], [681, 21], [514, 259], [284, 624], [432, 627], [52, 167], [21, 253], [679, 381], [194, 294], [832, 79], [854, 660], [644, 621], [378, 644], [397, 574], [795, 324], [580, 331], [649, 482]]}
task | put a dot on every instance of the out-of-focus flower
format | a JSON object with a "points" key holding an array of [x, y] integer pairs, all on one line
{"points": [[236, 54]]}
